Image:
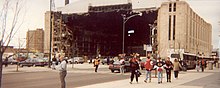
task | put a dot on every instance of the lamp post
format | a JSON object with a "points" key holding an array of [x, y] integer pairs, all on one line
{"points": [[50, 56], [125, 19]]}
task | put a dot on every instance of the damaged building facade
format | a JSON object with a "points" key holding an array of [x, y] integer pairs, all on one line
{"points": [[100, 31], [172, 28]]}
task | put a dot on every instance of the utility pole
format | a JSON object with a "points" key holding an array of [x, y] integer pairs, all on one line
{"points": [[49, 60]]}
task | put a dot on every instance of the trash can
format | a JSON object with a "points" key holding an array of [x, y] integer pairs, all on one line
{"points": [[210, 66]]}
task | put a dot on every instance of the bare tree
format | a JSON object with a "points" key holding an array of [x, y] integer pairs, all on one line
{"points": [[9, 25]]}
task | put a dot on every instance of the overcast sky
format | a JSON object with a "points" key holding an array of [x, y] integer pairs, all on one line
{"points": [[34, 11]]}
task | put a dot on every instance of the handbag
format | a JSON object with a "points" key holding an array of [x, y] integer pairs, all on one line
{"points": [[138, 73]]}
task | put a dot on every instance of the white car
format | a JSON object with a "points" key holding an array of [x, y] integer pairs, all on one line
{"points": [[76, 60]]}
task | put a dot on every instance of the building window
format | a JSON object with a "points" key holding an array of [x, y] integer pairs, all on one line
{"points": [[169, 34], [174, 24], [174, 7], [170, 7]]}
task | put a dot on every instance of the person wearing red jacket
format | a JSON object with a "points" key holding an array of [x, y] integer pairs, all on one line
{"points": [[148, 66]]}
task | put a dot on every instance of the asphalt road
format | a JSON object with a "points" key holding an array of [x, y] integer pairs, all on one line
{"points": [[51, 79]]}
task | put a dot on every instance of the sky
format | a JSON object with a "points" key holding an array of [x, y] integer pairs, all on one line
{"points": [[33, 13]]}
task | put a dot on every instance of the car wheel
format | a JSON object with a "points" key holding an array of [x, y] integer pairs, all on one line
{"points": [[112, 71]]}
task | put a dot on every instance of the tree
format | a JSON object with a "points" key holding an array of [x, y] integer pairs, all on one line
{"points": [[9, 25]]}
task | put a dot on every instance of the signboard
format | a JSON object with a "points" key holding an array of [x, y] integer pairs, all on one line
{"points": [[147, 47]]}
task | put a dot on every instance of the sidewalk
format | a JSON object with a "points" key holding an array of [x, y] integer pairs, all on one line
{"points": [[184, 77]]}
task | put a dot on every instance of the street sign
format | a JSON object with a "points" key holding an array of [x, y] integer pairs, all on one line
{"points": [[147, 47]]}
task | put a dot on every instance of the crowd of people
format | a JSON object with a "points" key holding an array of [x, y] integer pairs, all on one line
{"points": [[160, 66]]}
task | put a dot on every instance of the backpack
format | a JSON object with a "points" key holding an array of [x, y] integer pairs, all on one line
{"points": [[148, 65]]}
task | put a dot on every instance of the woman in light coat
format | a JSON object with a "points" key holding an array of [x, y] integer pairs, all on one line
{"points": [[176, 68]]}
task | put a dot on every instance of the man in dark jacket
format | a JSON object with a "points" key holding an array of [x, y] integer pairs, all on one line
{"points": [[134, 68]]}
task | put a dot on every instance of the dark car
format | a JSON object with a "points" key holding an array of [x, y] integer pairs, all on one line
{"points": [[28, 62], [40, 62], [117, 65]]}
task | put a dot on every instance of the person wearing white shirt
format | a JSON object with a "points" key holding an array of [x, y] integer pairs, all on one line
{"points": [[63, 72], [122, 65]]}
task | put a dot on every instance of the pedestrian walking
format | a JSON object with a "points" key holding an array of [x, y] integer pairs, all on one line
{"points": [[134, 68], [122, 65], [148, 66], [96, 63], [168, 67], [202, 64], [63, 71], [6, 62], [176, 68], [54, 61], [159, 67], [197, 65]]}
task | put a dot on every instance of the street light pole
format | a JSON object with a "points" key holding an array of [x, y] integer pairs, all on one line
{"points": [[125, 19], [49, 60]]}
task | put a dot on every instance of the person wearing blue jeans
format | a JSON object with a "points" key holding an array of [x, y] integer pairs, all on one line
{"points": [[148, 66], [148, 75], [160, 76], [159, 67]]}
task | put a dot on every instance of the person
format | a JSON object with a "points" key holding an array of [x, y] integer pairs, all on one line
{"points": [[108, 60], [54, 61], [122, 65], [90, 60], [168, 67], [202, 64], [159, 67], [134, 68], [63, 71], [197, 65], [176, 68], [148, 66], [6, 62], [184, 65], [96, 63]]}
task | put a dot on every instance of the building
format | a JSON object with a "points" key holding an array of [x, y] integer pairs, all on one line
{"points": [[99, 31], [180, 29], [35, 41]]}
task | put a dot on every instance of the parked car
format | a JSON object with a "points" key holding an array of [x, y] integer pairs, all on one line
{"points": [[40, 62], [12, 61], [104, 61], [117, 65], [76, 60], [28, 62]]}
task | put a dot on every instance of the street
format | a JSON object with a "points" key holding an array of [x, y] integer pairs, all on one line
{"points": [[44, 79], [83, 76]]}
